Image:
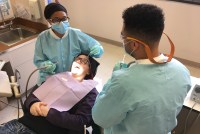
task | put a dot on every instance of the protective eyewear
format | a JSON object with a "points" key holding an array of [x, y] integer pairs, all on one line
{"points": [[82, 60], [148, 50], [58, 20]]}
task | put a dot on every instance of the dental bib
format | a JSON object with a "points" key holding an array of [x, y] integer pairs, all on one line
{"points": [[62, 91]]}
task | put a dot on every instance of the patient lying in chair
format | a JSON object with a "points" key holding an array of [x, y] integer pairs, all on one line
{"points": [[61, 105]]}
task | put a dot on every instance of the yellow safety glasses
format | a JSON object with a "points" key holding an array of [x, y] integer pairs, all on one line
{"points": [[149, 53]]}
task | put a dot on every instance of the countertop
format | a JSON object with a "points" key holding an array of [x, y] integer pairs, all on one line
{"points": [[20, 22], [188, 102]]}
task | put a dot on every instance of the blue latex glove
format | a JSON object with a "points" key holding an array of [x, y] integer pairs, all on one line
{"points": [[96, 51], [42, 78], [119, 66], [49, 67]]}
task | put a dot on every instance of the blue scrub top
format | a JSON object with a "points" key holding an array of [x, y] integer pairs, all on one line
{"points": [[142, 99], [61, 50]]}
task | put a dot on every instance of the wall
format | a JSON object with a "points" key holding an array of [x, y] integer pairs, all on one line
{"points": [[103, 18], [21, 9]]}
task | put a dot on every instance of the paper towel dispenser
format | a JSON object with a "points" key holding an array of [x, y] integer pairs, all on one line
{"points": [[34, 9]]}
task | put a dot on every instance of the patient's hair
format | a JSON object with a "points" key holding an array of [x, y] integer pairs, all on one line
{"points": [[92, 67]]}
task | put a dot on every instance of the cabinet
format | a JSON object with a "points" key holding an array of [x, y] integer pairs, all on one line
{"points": [[21, 58], [193, 122], [4, 56]]}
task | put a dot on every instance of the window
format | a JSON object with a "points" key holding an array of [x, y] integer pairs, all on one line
{"points": [[189, 1]]}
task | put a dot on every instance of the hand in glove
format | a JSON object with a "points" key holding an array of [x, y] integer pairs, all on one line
{"points": [[96, 51], [49, 67], [120, 65]]}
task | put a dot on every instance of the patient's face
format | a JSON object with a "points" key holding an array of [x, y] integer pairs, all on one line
{"points": [[80, 66]]}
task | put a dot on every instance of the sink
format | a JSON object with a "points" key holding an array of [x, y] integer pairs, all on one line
{"points": [[15, 35], [4, 30]]}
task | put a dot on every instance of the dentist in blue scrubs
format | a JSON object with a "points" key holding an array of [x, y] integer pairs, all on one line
{"points": [[56, 47], [146, 96]]}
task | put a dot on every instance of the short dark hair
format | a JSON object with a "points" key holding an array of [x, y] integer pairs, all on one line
{"points": [[144, 22], [51, 8], [93, 64]]}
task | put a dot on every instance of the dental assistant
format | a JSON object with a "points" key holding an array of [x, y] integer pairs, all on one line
{"points": [[145, 97], [56, 47]]}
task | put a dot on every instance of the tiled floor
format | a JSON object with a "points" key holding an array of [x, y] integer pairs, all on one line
{"points": [[112, 55]]}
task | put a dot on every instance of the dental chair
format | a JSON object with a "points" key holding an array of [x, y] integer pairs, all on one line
{"points": [[94, 129]]}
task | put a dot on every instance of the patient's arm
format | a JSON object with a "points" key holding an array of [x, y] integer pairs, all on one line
{"points": [[39, 109], [30, 101], [35, 107], [76, 117], [44, 110]]}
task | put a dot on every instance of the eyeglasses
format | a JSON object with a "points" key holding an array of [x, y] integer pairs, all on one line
{"points": [[122, 37], [58, 20], [82, 60]]}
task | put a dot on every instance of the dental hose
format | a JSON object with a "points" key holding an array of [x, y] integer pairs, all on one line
{"points": [[41, 68]]}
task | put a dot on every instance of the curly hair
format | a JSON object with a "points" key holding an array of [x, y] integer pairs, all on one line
{"points": [[144, 22]]}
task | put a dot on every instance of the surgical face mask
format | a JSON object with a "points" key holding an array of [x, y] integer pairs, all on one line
{"points": [[60, 27], [131, 52], [125, 52], [124, 44]]}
